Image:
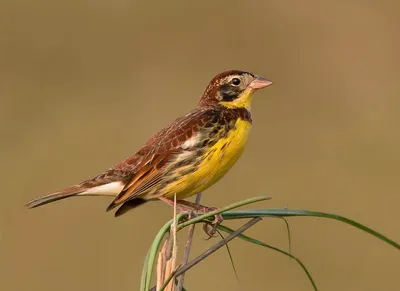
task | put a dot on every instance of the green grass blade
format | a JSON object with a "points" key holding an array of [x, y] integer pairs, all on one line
{"points": [[288, 234], [293, 212], [144, 272], [288, 231], [221, 210], [287, 228], [254, 241]]}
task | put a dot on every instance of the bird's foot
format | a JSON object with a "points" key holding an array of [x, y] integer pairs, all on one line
{"points": [[193, 210], [210, 228]]}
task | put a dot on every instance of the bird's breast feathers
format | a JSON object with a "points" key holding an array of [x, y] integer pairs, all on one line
{"points": [[206, 158]]}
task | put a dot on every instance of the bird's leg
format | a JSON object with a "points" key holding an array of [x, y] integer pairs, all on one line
{"points": [[181, 208], [210, 228], [204, 209]]}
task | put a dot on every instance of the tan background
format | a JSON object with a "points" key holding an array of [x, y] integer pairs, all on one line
{"points": [[83, 84]]}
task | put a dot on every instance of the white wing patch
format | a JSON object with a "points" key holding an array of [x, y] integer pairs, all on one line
{"points": [[191, 142], [111, 189]]}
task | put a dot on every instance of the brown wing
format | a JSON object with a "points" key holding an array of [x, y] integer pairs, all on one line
{"points": [[148, 164]]}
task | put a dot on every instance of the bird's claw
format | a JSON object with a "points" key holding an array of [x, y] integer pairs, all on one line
{"points": [[210, 228]]}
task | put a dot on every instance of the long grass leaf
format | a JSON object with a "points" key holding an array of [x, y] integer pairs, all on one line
{"points": [[144, 272], [293, 212], [255, 241]]}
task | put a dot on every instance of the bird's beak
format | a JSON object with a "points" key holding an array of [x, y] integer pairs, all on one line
{"points": [[260, 83]]}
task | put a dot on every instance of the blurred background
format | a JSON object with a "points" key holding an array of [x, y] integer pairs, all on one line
{"points": [[83, 84]]}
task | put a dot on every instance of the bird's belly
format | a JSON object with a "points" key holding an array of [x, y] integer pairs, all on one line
{"points": [[215, 163]]}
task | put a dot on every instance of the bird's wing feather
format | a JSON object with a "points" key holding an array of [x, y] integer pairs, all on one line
{"points": [[148, 164]]}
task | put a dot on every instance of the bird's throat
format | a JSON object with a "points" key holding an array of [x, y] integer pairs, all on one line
{"points": [[242, 101]]}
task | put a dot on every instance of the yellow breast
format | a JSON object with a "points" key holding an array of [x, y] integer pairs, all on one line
{"points": [[218, 159]]}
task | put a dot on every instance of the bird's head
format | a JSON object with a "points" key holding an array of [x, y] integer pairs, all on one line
{"points": [[233, 89]]}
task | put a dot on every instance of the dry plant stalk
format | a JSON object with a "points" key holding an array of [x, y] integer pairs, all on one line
{"points": [[161, 264], [188, 246], [166, 262]]}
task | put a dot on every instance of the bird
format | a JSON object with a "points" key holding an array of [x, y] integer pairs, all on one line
{"points": [[185, 158]]}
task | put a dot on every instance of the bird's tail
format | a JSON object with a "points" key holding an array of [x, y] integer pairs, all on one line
{"points": [[107, 189], [69, 192]]}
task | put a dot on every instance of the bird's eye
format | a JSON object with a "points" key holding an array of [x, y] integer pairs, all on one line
{"points": [[235, 81]]}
